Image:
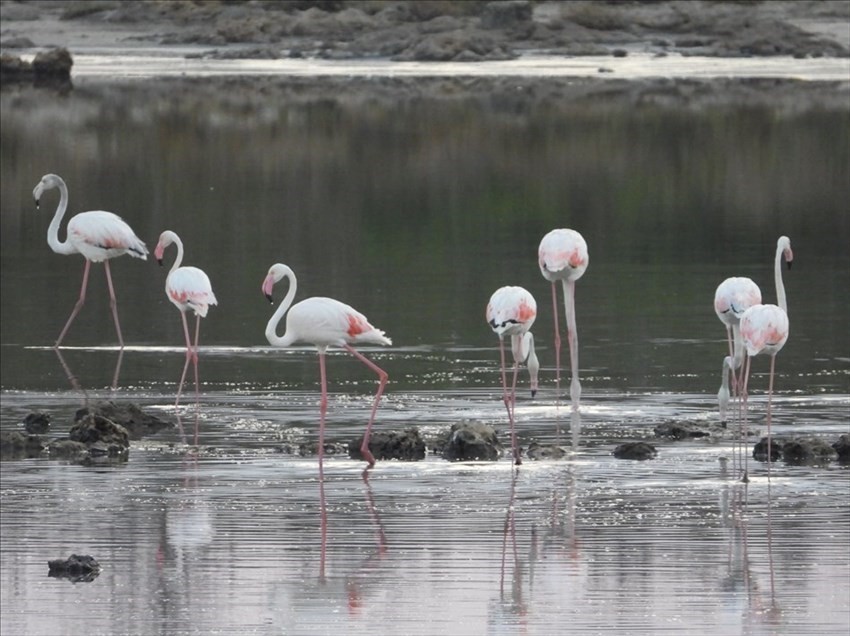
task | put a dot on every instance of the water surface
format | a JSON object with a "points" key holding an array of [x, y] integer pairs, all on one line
{"points": [[414, 208]]}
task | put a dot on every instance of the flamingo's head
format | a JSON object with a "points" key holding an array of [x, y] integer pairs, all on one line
{"points": [[165, 239], [276, 273], [785, 244], [47, 182]]}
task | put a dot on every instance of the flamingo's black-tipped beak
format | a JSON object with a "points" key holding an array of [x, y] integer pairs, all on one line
{"points": [[159, 260], [789, 264], [269, 298], [533, 392], [36, 204]]}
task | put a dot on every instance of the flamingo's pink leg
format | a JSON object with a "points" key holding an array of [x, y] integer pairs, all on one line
{"points": [[514, 442], [506, 398], [557, 343], [745, 396], [323, 406], [113, 303], [323, 511], [195, 359], [188, 357], [77, 307], [572, 340], [769, 416], [382, 377]]}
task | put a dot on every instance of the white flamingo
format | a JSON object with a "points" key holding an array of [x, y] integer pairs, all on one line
{"points": [[511, 312], [562, 256], [324, 322], [189, 289], [97, 235]]}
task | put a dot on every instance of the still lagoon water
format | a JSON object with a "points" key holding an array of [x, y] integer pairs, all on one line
{"points": [[413, 200]]}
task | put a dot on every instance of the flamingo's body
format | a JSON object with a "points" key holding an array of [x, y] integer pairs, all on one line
{"points": [[189, 289], [764, 331], [97, 235], [324, 322], [562, 256], [511, 312]]}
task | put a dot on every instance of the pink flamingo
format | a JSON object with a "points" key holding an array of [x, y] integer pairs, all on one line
{"points": [[731, 299], [511, 312], [563, 256], [764, 330], [189, 289], [97, 235], [324, 322]]}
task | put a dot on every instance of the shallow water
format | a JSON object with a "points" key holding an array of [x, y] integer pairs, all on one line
{"points": [[415, 210]]}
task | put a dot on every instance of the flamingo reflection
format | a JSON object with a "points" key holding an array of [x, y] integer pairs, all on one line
{"points": [[75, 383], [761, 606]]}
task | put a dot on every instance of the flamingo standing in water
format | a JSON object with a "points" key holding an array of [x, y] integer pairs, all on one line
{"points": [[731, 299], [563, 256], [511, 312], [764, 330], [97, 235], [189, 289], [324, 322]]}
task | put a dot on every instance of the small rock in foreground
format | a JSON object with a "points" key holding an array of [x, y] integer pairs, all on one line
{"points": [[639, 451]]}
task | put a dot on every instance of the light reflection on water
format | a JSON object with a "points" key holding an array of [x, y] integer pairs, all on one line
{"points": [[228, 539]]}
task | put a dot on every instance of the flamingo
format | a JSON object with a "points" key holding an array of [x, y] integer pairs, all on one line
{"points": [[764, 330], [511, 312], [324, 322], [97, 235], [563, 256], [189, 289], [731, 299]]}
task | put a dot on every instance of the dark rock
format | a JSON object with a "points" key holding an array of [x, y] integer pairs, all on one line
{"points": [[137, 423], [457, 46], [471, 441], [808, 450], [635, 450], [55, 63], [506, 14], [760, 450], [37, 423], [311, 449], [93, 429], [68, 449], [680, 430], [842, 447], [17, 445], [77, 568], [406, 445], [18, 43], [540, 451]]}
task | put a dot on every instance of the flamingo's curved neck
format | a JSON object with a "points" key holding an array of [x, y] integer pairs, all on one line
{"points": [[780, 287], [271, 327], [53, 241], [179, 258]]}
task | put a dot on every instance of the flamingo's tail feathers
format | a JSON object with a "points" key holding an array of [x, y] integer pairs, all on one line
{"points": [[138, 249]]}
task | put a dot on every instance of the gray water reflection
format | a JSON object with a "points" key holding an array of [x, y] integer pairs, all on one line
{"points": [[413, 208], [231, 542]]}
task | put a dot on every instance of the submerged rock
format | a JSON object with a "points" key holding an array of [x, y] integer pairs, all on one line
{"points": [[807, 450], [842, 447], [469, 441], [635, 450], [102, 434], [682, 430], [37, 423], [77, 568], [547, 451], [17, 445], [760, 450], [137, 423], [406, 445]]}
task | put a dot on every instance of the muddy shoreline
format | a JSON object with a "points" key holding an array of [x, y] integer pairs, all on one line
{"points": [[435, 31]]}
